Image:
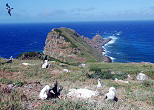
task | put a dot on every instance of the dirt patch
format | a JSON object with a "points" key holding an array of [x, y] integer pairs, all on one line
{"points": [[56, 72]]}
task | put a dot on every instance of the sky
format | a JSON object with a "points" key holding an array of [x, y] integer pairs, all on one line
{"points": [[27, 11]]}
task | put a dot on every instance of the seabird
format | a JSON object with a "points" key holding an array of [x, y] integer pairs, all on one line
{"points": [[9, 9], [111, 95], [99, 83], [9, 60], [43, 93], [45, 64], [55, 91], [47, 93]]}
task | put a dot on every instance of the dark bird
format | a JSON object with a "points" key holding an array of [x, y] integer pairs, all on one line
{"points": [[9, 9], [9, 60], [45, 58], [55, 91], [47, 93]]}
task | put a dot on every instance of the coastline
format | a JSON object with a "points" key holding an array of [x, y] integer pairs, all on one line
{"points": [[113, 40]]}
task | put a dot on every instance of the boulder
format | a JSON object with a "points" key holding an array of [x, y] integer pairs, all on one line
{"points": [[141, 77]]}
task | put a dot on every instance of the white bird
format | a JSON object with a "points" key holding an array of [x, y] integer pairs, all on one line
{"points": [[45, 64], [111, 95], [9, 9], [43, 94], [99, 83]]}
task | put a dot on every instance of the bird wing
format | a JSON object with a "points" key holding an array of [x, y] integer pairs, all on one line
{"points": [[9, 12], [7, 5], [55, 87]]}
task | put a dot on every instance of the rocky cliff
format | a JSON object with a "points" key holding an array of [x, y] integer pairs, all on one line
{"points": [[66, 45]]}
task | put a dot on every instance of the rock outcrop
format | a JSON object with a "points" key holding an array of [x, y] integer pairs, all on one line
{"points": [[141, 77], [66, 45]]}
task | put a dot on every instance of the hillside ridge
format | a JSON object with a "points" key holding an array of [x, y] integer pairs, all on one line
{"points": [[67, 45]]}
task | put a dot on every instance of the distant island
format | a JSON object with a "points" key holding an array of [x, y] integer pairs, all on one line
{"points": [[66, 45]]}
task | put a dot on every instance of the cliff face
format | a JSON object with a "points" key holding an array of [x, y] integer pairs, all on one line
{"points": [[67, 45]]}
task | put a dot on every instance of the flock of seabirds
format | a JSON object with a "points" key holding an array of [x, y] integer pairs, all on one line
{"points": [[49, 93]]}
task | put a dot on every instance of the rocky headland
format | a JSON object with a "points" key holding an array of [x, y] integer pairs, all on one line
{"points": [[66, 45]]}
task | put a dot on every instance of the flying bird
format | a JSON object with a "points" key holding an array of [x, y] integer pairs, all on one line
{"points": [[111, 95], [9, 9]]}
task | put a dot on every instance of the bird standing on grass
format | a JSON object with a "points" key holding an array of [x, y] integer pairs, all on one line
{"points": [[43, 93], [9, 9], [9, 60], [55, 91], [111, 95], [99, 83], [45, 64], [47, 93]]}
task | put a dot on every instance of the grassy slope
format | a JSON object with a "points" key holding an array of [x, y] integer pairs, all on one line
{"points": [[86, 50], [30, 80]]}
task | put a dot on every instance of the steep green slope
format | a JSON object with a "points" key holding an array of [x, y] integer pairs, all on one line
{"points": [[65, 44]]}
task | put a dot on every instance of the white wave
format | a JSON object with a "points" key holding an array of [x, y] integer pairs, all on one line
{"points": [[109, 46], [113, 59], [114, 38]]}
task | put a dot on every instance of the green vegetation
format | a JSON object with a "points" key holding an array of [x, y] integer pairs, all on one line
{"points": [[98, 73], [66, 38], [30, 79], [76, 41], [122, 68], [30, 55]]}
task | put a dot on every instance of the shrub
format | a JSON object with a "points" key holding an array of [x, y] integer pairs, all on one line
{"points": [[6, 81], [19, 84], [31, 55], [148, 83], [106, 74]]}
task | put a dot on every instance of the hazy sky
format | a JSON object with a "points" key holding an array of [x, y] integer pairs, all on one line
{"points": [[76, 10]]}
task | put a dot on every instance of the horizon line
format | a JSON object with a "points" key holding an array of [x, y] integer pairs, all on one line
{"points": [[75, 21]]}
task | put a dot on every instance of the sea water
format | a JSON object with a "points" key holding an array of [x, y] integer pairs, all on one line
{"points": [[132, 41]]}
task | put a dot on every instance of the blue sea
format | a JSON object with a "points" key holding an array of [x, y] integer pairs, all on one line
{"points": [[133, 41]]}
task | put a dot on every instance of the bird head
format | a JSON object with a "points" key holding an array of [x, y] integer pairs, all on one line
{"points": [[112, 89], [46, 61], [47, 87], [99, 80]]}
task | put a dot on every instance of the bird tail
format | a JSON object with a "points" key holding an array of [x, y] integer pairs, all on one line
{"points": [[116, 99]]}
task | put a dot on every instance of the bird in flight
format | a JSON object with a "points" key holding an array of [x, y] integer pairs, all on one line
{"points": [[9, 9]]}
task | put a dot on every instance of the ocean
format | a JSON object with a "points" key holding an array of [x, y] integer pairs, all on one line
{"points": [[133, 41]]}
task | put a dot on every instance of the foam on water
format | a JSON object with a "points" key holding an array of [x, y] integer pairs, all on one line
{"points": [[114, 38]]}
